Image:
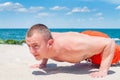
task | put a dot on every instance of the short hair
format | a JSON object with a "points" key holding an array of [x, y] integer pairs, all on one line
{"points": [[42, 29]]}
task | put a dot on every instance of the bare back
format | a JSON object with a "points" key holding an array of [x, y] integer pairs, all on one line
{"points": [[74, 47]]}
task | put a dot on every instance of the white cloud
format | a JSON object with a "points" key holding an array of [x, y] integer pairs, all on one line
{"points": [[43, 14], [112, 1], [58, 8], [84, 9], [21, 10], [99, 14], [35, 9], [77, 10], [118, 7], [9, 6]]}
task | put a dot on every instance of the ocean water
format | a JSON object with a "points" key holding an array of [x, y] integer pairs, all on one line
{"points": [[19, 34], [113, 33]]}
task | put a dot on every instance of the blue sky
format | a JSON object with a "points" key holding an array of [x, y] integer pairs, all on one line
{"points": [[60, 13]]}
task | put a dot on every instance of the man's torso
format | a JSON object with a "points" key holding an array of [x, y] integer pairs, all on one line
{"points": [[75, 47]]}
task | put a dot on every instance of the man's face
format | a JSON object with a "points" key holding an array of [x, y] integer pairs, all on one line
{"points": [[37, 45]]}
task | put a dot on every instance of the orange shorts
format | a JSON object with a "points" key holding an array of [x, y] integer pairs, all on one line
{"points": [[96, 59]]}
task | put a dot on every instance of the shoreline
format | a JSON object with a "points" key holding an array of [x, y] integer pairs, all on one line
{"points": [[20, 42]]}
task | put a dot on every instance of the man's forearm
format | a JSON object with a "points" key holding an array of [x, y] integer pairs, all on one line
{"points": [[107, 56], [44, 61]]}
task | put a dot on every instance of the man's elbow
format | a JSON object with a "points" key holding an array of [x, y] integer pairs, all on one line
{"points": [[110, 45]]}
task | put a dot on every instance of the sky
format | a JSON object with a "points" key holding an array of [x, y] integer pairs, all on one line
{"points": [[60, 13]]}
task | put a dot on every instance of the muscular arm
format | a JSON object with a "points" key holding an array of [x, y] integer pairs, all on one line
{"points": [[107, 57]]}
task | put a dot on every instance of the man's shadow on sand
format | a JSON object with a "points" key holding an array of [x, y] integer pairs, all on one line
{"points": [[81, 68]]}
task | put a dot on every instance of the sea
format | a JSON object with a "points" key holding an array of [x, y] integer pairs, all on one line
{"points": [[19, 34]]}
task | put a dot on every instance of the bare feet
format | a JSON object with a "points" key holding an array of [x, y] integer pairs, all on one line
{"points": [[38, 66]]}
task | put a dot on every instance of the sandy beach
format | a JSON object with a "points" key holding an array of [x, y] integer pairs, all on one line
{"points": [[15, 62]]}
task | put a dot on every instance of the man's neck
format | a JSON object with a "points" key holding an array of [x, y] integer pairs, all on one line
{"points": [[55, 50]]}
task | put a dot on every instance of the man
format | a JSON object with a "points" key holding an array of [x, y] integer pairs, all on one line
{"points": [[71, 47]]}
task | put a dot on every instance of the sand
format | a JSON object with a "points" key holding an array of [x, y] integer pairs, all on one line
{"points": [[15, 62]]}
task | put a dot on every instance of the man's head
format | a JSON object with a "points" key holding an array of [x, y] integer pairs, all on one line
{"points": [[39, 40], [40, 28]]}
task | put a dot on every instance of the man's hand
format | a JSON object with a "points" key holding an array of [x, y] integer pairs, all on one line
{"points": [[42, 65], [98, 74], [38, 66]]}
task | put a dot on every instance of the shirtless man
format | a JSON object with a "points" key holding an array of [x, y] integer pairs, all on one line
{"points": [[70, 47]]}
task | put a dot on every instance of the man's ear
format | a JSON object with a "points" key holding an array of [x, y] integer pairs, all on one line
{"points": [[50, 42]]}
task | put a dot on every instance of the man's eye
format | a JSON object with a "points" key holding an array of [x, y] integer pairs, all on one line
{"points": [[36, 46]]}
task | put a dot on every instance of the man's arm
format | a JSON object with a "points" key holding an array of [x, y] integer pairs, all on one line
{"points": [[43, 63], [107, 57]]}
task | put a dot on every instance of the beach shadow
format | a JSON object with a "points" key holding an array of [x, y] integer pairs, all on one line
{"points": [[81, 68], [116, 65]]}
